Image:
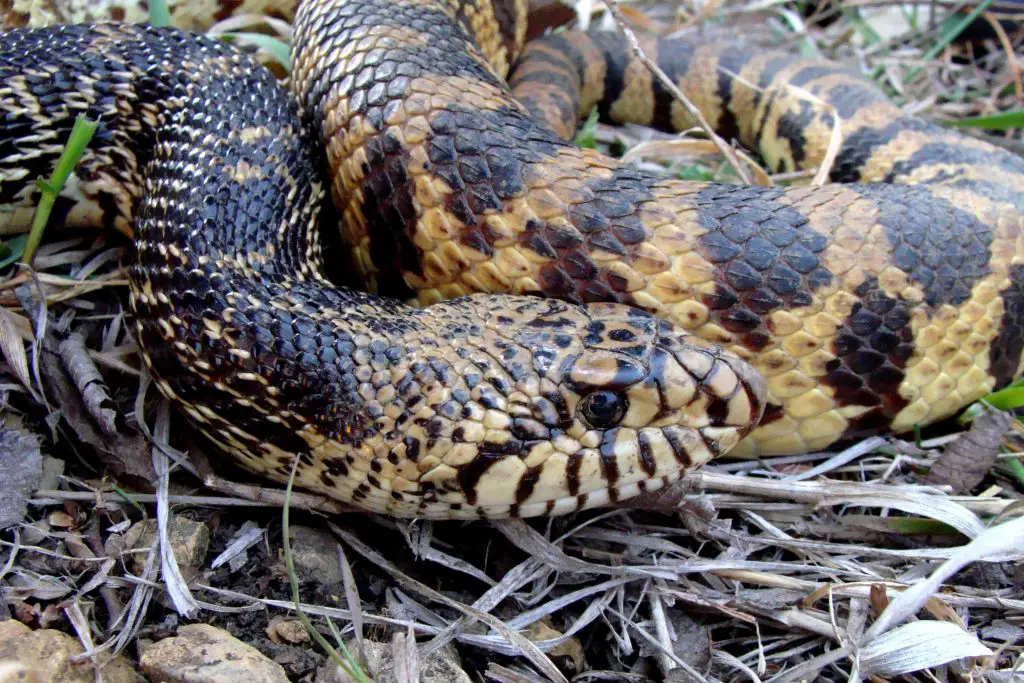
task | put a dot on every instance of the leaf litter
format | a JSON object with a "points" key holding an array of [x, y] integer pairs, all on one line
{"points": [[891, 557]]}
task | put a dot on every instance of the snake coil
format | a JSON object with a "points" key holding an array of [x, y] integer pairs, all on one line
{"points": [[679, 316]]}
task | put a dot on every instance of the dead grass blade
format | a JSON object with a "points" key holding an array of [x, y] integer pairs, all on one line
{"points": [[12, 344], [525, 646], [1000, 543], [530, 541], [918, 645], [355, 607], [177, 587]]}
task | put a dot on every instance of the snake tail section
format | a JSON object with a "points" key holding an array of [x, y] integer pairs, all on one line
{"points": [[485, 406]]}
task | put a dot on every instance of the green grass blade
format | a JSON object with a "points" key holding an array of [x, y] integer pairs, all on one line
{"points": [[1001, 121], [12, 250], [1016, 469], [81, 135], [277, 48], [867, 33], [344, 660], [585, 136], [159, 14], [949, 34], [697, 172], [1009, 398]]}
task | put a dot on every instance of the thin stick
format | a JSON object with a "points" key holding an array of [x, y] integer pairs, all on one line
{"points": [[1011, 56], [638, 51]]}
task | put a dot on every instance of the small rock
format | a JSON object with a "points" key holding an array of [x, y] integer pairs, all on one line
{"points": [[315, 553], [201, 653], [442, 667], [282, 630], [189, 541], [44, 656]]}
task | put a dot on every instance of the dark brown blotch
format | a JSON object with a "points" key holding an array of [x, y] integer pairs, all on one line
{"points": [[1006, 349], [872, 348]]}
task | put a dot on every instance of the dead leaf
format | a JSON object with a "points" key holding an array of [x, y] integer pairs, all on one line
{"points": [[21, 470], [545, 14], [123, 454], [87, 378], [878, 598], [61, 520], [687, 149], [966, 461]]}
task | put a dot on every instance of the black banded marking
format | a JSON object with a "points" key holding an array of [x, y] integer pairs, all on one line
{"points": [[679, 448], [572, 473], [527, 483], [647, 460], [731, 62], [1005, 352], [941, 247], [610, 464]]}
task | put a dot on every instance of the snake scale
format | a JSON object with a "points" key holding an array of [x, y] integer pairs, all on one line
{"points": [[584, 330]]}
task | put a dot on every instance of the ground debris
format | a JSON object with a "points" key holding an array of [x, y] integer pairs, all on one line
{"points": [[123, 451], [21, 470], [389, 662], [315, 553]]}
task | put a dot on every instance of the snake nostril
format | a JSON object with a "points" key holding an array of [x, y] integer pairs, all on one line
{"points": [[604, 409]]}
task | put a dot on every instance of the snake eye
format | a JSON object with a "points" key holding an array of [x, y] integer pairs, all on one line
{"points": [[603, 409]]}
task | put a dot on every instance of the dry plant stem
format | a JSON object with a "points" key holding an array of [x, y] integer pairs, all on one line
{"points": [[806, 671], [271, 497], [1011, 56], [512, 581], [526, 647], [661, 628], [111, 498], [656, 644], [111, 599], [634, 44], [175, 583], [815, 492]]}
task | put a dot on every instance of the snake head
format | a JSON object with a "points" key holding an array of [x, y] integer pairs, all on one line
{"points": [[549, 408]]}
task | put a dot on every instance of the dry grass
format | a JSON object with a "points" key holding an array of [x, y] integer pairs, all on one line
{"points": [[827, 566]]}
